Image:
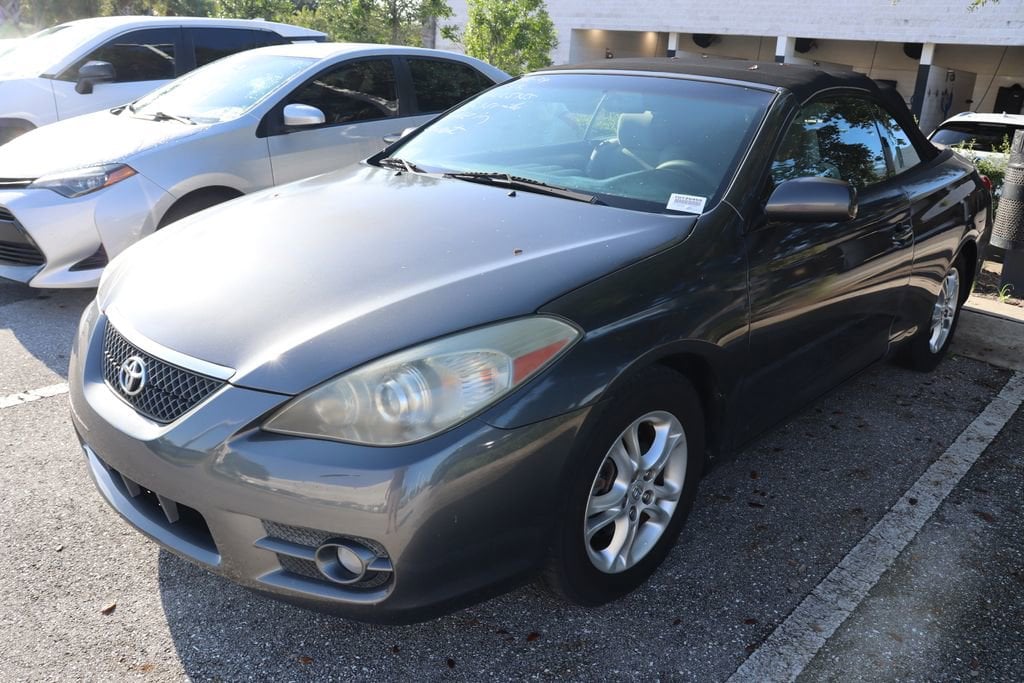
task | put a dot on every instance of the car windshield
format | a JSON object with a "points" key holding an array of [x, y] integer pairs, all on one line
{"points": [[641, 142], [221, 91], [35, 55], [980, 137]]}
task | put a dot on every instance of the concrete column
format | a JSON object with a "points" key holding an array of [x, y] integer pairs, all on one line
{"points": [[924, 68], [785, 49], [673, 44]]}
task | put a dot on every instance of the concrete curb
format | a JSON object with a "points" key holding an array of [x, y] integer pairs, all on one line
{"points": [[992, 333]]}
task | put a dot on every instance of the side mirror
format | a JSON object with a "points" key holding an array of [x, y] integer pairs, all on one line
{"points": [[392, 138], [91, 73], [812, 200], [301, 115]]}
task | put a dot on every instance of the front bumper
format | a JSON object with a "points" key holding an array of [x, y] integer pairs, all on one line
{"points": [[66, 234], [457, 515]]}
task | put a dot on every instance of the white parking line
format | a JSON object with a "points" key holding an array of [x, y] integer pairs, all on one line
{"points": [[791, 646], [33, 395]]}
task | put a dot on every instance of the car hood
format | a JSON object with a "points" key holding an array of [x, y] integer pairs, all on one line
{"points": [[294, 285], [88, 140]]}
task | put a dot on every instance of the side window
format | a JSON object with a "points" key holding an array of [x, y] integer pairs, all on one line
{"points": [[358, 91], [213, 43], [146, 55], [897, 144], [835, 138], [440, 84]]}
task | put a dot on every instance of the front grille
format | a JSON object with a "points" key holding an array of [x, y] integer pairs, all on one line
{"points": [[15, 246], [184, 522], [168, 391], [21, 254]]}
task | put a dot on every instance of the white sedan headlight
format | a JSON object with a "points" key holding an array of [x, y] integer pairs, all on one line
{"points": [[419, 392], [82, 181]]}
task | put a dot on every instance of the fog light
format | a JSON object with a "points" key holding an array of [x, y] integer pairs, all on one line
{"points": [[347, 561], [350, 560]]}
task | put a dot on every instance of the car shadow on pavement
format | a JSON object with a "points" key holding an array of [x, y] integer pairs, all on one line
{"points": [[43, 324], [767, 527]]}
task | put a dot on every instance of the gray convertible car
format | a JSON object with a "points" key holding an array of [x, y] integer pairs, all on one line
{"points": [[513, 340]]}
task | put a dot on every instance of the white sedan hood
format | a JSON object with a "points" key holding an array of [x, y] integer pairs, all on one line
{"points": [[87, 140]]}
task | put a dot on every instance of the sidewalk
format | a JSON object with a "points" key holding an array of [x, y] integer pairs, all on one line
{"points": [[991, 332]]}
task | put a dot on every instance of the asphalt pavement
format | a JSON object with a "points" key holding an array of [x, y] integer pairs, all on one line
{"points": [[85, 597]]}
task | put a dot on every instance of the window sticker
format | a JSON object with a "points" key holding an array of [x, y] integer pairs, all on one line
{"points": [[686, 202]]}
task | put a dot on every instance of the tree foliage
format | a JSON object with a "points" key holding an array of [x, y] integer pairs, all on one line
{"points": [[367, 21], [513, 35]]}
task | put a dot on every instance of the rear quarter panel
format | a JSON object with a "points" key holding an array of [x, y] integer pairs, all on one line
{"points": [[949, 208]]}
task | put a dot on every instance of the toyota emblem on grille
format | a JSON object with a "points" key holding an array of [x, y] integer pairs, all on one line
{"points": [[131, 376]]}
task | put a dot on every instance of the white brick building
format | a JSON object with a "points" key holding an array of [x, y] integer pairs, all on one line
{"points": [[941, 57]]}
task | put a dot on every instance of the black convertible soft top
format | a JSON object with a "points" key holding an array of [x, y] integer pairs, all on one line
{"points": [[803, 81]]}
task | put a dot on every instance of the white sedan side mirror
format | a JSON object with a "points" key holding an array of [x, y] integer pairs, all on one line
{"points": [[299, 115]]}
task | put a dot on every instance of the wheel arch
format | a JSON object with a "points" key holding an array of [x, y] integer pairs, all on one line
{"points": [[703, 365], [969, 250], [221, 193]]}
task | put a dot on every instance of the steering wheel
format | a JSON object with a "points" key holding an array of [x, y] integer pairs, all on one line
{"points": [[690, 169]]}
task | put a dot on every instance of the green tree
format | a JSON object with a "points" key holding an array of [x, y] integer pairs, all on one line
{"points": [[254, 9], [513, 35]]}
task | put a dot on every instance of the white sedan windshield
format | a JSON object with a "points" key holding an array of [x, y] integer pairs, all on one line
{"points": [[223, 90]]}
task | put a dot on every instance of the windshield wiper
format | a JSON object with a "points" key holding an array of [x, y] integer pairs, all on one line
{"points": [[526, 184], [162, 116], [400, 164]]}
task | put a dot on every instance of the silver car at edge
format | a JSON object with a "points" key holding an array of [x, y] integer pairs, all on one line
{"points": [[78, 192]]}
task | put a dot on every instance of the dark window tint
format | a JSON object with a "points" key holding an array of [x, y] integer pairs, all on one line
{"points": [[146, 55], [359, 91], [835, 138], [213, 43], [982, 137], [441, 84]]}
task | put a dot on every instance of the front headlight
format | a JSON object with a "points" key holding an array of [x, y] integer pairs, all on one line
{"points": [[84, 180], [419, 392]]}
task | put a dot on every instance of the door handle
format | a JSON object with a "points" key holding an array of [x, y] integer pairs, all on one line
{"points": [[904, 235]]}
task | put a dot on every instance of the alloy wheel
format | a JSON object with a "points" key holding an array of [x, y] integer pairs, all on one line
{"points": [[944, 312], [635, 492]]}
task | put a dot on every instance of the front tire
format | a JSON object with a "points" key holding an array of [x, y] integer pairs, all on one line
{"points": [[929, 346], [631, 491]]}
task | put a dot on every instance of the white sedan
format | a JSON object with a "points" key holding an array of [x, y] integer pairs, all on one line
{"points": [[76, 193]]}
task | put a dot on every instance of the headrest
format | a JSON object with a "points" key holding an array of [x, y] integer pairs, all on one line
{"points": [[635, 129]]}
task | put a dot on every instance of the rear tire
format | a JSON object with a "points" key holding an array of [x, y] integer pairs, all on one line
{"points": [[929, 346], [631, 490]]}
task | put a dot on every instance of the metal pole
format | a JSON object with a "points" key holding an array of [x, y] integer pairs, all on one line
{"points": [[1008, 231]]}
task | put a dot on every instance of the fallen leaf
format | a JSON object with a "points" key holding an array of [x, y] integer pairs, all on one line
{"points": [[676, 622], [304, 660], [754, 474], [109, 609], [912, 501], [147, 667], [395, 649], [532, 636], [985, 516], [451, 663], [502, 631], [755, 504], [750, 622], [817, 628], [895, 636]]}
